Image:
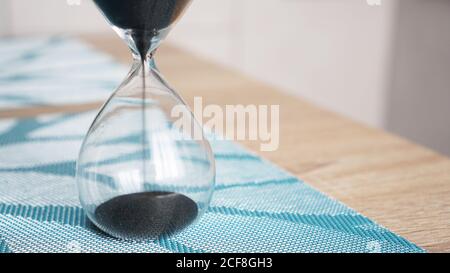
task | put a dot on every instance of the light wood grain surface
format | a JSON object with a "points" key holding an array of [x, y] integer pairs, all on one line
{"points": [[399, 184]]}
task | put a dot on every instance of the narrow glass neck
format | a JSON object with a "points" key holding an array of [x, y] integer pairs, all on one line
{"points": [[145, 69], [147, 63]]}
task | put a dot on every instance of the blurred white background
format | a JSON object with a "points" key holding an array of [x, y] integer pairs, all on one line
{"points": [[385, 65]]}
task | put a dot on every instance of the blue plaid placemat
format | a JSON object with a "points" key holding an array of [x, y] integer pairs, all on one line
{"points": [[257, 207]]}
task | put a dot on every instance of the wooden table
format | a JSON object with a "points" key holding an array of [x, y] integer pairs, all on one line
{"points": [[399, 184]]}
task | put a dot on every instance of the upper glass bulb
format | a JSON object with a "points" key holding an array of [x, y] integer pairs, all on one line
{"points": [[142, 23]]}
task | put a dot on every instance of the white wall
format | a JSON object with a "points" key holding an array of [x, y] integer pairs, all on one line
{"points": [[4, 17], [36, 17], [419, 91], [334, 53], [330, 52]]}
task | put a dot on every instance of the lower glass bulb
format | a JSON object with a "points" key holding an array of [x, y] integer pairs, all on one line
{"points": [[144, 168]]}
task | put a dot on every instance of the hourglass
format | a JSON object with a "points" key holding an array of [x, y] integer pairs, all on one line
{"points": [[144, 170]]}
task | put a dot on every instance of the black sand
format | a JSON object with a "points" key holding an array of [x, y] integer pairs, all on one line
{"points": [[144, 18], [146, 215], [146, 15]]}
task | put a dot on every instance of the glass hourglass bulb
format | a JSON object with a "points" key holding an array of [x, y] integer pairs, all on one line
{"points": [[144, 168]]}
